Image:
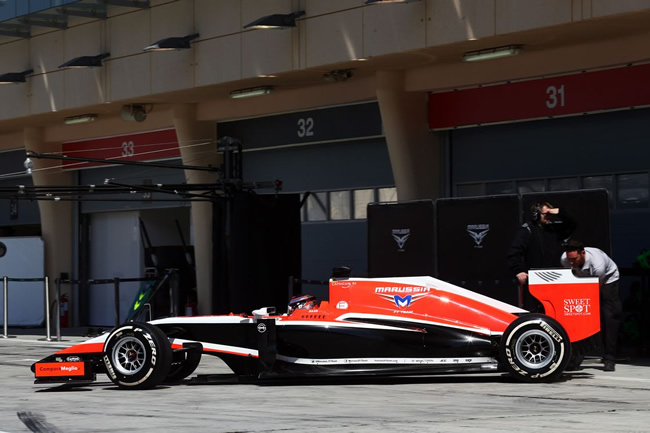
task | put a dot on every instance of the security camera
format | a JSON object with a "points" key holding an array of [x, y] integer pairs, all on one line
{"points": [[338, 75], [133, 113]]}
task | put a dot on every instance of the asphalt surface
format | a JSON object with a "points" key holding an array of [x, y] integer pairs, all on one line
{"points": [[584, 401]]}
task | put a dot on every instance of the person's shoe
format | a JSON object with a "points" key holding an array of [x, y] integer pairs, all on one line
{"points": [[609, 366]]}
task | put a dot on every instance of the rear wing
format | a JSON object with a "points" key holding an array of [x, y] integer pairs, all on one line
{"points": [[572, 301]]}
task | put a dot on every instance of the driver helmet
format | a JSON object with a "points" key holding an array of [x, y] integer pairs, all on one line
{"points": [[301, 302]]}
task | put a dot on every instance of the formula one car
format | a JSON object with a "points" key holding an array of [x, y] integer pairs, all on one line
{"points": [[382, 326]]}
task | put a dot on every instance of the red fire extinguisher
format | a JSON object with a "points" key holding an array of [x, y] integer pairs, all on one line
{"points": [[63, 311]]}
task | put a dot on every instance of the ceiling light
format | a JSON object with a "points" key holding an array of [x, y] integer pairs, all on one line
{"points": [[172, 44], [276, 21], [491, 53], [85, 61], [15, 77], [253, 91], [84, 118]]}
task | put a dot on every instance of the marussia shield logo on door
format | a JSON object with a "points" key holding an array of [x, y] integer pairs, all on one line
{"points": [[478, 232], [401, 236]]}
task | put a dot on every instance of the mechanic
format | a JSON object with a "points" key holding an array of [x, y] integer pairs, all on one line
{"points": [[593, 262], [538, 244], [301, 302]]}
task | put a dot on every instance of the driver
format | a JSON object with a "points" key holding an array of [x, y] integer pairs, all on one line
{"points": [[302, 302]]}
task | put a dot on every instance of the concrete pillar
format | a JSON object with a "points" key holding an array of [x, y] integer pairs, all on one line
{"points": [[197, 142], [56, 216], [415, 154]]}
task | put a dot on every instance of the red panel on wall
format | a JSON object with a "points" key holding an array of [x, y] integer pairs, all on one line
{"points": [[147, 146], [585, 92]]}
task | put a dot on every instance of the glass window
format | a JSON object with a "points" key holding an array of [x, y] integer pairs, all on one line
{"points": [[340, 205], [591, 182], [564, 184], [470, 190], [317, 206], [632, 190], [524, 186], [492, 188], [387, 194], [361, 199]]}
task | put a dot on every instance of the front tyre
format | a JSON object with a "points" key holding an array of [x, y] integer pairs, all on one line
{"points": [[137, 356], [535, 348]]}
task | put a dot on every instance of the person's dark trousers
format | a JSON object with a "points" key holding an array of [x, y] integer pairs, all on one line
{"points": [[610, 313]]}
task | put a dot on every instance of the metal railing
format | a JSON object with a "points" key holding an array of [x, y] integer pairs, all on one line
{"points": [[57, 303], [5, 283]]}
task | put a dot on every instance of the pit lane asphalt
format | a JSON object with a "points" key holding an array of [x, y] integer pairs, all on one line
{"points": [[583, 401]]}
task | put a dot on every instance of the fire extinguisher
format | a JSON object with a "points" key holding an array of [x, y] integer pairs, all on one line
{"points": [[63, 311], [190, 308]]}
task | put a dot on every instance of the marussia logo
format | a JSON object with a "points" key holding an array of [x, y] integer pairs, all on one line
{"points": [[478, 232], [402, 302], [401, 236]]}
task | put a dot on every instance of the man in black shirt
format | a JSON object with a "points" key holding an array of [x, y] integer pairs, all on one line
{"points": [[538, 244]]}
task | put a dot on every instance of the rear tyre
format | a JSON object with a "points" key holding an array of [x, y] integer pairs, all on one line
{"points": [[137, 356], [535, 348]]}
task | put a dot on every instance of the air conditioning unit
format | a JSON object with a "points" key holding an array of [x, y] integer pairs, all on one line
{"points": [[133, 113]]}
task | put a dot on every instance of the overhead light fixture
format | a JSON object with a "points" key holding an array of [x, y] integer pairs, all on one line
{"points": [[84, 118], [379, 2], [172, 44], [275, 21], [253, 91], [85, 61], [15, 77], [491, 53]]}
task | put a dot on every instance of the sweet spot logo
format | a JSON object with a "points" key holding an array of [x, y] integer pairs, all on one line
{"points": [[577, 307]]}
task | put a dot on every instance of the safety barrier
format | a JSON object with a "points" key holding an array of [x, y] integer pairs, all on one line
{"points": [[5, 283]]}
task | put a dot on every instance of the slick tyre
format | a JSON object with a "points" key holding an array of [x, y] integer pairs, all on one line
{"points": [[137, 356], [535, 348]]}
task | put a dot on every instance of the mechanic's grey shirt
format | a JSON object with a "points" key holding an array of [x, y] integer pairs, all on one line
{"points": [[597, 264]]}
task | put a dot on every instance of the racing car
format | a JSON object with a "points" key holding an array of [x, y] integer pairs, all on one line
{"points": [[368, 326]]}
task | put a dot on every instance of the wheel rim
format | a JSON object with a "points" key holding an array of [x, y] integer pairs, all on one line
{"points": [[129, 356], [535, 349]]}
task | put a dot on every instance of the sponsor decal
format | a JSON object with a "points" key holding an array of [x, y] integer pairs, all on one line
{"points": [[55, 369], [401, 236], [402, 289], [577, 307], [402, 301], [73, 359], [343, 284], [342, 305], [261, 328], [549, 276], [478, 232]]}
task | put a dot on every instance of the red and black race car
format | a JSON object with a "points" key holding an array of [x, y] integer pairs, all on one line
{"points": [[379, 326]]}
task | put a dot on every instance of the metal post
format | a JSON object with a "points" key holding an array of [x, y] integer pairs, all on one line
{"points": [[116, 294], [6, 306], [47, 313], [58, 307], [173, 294]]}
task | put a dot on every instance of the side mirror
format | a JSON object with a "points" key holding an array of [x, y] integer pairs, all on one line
{"points": [[3, 249]]}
